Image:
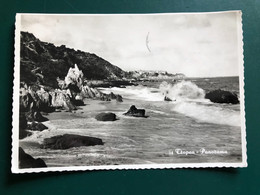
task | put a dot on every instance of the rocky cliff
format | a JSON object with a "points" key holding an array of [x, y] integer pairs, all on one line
{"points": [[42, 63]]}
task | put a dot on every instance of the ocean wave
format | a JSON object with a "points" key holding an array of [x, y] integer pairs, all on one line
{"points": [[187, 99], [136, 92], [183, 90], [208, 114]]}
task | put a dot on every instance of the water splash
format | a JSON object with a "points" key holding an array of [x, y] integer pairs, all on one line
{"points": [[187, 99], [182, 90]]}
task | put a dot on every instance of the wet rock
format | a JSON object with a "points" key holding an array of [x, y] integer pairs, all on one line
{"points": [[119, 98], [221, 96], [27, 161], [106, 117], [112, 95], [104, 97], [167, 99], [70, 140], [36, 126], [133, 111]]}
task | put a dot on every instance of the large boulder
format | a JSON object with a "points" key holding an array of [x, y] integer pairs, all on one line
{"points": [[70, 140], [106, 117], [27, 161], [133, 111], [34, 126], [221, 96]]}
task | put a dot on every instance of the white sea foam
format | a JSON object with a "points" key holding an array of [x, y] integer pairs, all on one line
{"points": [[209, 114], [136, 92], [182, 91], [188, 99]]}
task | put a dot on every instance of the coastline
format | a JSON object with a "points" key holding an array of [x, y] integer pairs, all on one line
{"points": [[134, 140]]}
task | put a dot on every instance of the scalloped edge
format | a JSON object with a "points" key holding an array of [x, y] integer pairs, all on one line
{"points": [[15, 116]]}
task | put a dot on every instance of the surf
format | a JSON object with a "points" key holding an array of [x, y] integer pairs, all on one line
{"points": [[187, 99]]}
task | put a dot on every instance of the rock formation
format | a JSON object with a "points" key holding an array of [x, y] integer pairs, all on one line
{"points": [[74, 78], [221, 96], [42, 88], [133, 111], [106, 117], [61, 99], [27, 161], [70, 140], [167, 99], [34, 126]]}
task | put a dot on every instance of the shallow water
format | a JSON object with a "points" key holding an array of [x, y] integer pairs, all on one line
{"points": [[188, 124]]}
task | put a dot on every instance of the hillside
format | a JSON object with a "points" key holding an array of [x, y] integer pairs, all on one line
{"points": [[43, 63], [153, 75]]}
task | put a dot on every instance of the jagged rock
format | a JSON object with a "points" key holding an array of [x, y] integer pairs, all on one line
{"points": [[87, 92], [167, 99], [92, 93], [74, 78], [221, 96], [70, 140], [60, 99], [44, 102], [112, 95], [27, 161], [106, 117], [36, 126], [133, 111], [119, 98]]}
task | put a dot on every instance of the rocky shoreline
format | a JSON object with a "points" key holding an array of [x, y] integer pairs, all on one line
{"points": [[49, 84], [38, 100]]}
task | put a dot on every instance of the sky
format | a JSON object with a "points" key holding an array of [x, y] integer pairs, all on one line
{"points": [[198, 45]]}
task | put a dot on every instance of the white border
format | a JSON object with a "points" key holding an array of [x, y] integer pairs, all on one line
{"points": [[15, 121]]}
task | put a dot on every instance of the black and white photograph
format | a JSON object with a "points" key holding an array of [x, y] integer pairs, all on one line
{"points": [[128, 91]]}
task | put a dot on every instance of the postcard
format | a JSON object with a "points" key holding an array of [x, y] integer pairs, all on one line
{"points": [[128, 91]]}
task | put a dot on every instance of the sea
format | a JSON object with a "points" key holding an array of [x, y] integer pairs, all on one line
{"points": [[188, 129]]}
